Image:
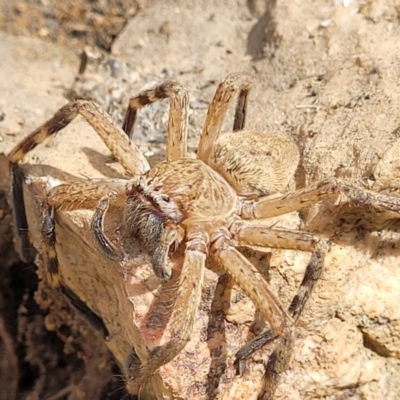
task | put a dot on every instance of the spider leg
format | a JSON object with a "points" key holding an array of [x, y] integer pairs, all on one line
{"points": [[245, 274], [19, 214], [85, 194], [89, 194], [252, 283], [21, 224], [66, 195], [258, 234], [324, 190], [311, 276], [96, 227], [178, 115], [48, 232], [124, 151], [170, 235], [278, 363], [75, 195], [47, 228], [253, 234], [233, 83], [184, 309]]}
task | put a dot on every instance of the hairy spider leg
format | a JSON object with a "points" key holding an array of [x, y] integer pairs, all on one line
{"points": [[329, 189], [178, 115], [227, 89], [251, 236], [126, 153]]}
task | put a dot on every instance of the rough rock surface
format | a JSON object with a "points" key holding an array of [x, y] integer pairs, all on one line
{"points": [[326, 74]]}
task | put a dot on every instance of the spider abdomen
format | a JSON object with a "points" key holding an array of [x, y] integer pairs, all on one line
{"points": [[255, 163]]}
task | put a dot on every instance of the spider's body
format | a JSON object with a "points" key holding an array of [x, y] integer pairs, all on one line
{"points": [[187, 190], [207, 207]]}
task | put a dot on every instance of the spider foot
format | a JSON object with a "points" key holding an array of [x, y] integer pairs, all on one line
{"points": [[278, 362], [49, 239], [83, 310], [135, 373], [132, 365], [160, 260], [250, 348], [97, 227]]}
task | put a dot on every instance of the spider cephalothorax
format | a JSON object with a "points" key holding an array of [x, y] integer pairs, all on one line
{"points": [[205, 208], [184, 188]]}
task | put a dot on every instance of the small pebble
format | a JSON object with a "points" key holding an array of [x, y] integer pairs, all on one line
{"points": [[148, 154]]}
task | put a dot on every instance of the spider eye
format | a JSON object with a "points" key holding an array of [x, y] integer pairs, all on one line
{"points": [[165, 198]]}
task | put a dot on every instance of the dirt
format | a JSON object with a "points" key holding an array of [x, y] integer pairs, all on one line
{"points": [[68, 23], [326, 74]]}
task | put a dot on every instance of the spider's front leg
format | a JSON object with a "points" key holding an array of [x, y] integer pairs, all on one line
{"points": [[75, 195], [182, 312], [97, 227], [47, 224], [127, 154], [114, 138]]}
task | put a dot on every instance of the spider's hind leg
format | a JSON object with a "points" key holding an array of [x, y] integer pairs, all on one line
{"points": [[257, 234], [329, 189], [311, 276], [178, 115], [278, 361], [234, 83]]}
